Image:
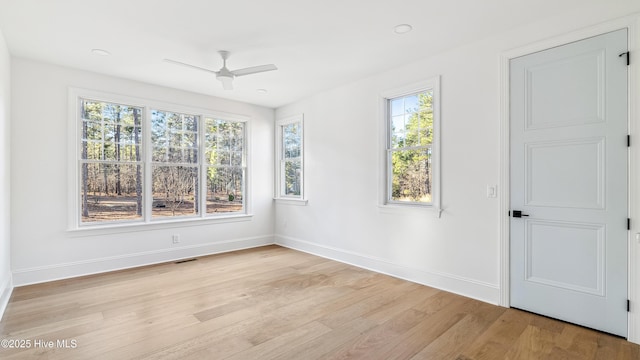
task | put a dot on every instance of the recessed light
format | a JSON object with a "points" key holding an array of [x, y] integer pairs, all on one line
{"points": [[100, 52], [262, 91], [402, 28]]}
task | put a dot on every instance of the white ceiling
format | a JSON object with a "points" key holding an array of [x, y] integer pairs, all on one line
{"points": [[316, 44]]}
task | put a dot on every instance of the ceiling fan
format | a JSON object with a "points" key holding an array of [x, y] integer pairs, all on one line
{"points": [[225, 75]]}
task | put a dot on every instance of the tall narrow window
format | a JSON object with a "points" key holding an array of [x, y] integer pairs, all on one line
{"points": [[410, 123], [289, 134], [226, 165], [110, 162], [174, 164]]}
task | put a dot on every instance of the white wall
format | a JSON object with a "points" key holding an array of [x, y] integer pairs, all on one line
{"points": [[5, 171], [42, 248], [460, 251]]}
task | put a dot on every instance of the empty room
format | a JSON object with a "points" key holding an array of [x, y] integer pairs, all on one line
{"points": [[410, 179]]}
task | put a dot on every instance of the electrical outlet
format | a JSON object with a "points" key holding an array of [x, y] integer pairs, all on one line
{"points": [[175, 238]]}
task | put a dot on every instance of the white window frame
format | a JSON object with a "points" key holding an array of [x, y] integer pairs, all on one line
{"points": [[75, 97], [386, 174], [280, 195]]}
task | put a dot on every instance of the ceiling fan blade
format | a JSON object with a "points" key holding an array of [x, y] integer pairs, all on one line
{"points": [[188, 65], [254, 70]]}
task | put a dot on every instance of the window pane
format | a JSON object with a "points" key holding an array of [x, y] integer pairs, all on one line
{"points": [[225, 187], [292, 178], [221, 138], [291, 140], [398, 140], [174, 191], [110, 169], [111, 192], [236, 158], [397, 123], [426, 99], [224, 141], [397, 106], [412, 130], [411, 175], [411, 104], [411, 120], [92, 130], [237, 135], [426, 127], [111, 129], [174, 137], [223, 157]]}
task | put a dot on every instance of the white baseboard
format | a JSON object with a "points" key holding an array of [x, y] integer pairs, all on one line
{"points": [[42, 274], [471, 288], [6, 288]]}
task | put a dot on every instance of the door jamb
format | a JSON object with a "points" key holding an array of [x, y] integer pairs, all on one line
{"points": [[632, 24]]}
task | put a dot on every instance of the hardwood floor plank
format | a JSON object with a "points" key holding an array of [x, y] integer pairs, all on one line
{"points": [[276, 347], [366, 345], [407, 301], [275, 303], [324, 347], [436, 323], [337, 317], [577, 341], [457, 338], [533, 343], [500, 336]]}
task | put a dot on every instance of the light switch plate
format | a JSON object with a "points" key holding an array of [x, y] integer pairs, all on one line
{"points": [[492, 191]]}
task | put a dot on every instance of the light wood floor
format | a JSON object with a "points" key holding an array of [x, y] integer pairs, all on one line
{"points": [[276, 303]]}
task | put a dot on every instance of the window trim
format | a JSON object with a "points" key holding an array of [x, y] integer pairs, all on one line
{"points": [[74, 222], [385, 134], [279, 196]]}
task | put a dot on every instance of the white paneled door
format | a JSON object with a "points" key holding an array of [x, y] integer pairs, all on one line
{"points": [[568, 222]]}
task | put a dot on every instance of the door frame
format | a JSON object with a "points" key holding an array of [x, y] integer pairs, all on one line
{"points": [[632, 24]]}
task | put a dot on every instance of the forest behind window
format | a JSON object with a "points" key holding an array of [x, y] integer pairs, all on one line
{"points": [[196, 165]]}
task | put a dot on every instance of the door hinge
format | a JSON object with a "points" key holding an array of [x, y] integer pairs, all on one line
{"points": [[628, 59], [628, 224], [628, 305], [628, 140]]}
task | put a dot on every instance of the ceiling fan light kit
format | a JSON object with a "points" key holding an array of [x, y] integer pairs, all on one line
{"points": [[226, 76]]}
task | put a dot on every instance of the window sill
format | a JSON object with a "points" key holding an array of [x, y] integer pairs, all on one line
{"points": [[286, 201], [92, 230]]}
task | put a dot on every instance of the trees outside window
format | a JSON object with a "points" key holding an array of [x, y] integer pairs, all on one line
{"points": [[110, 162], [175, 163], [225, 165], [140, 164], [290, 158], [411, 146]]}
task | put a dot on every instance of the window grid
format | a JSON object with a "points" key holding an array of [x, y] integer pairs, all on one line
{"points": [[290, 163], [170, 181], [409, 148], [226, 165]]}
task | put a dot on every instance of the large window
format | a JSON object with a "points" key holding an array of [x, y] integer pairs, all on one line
{"points": [[174, 164], [411, 123], [110, 162], [142, 164], [290, 159]]}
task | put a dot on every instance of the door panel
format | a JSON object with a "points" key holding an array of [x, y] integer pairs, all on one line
{"points": [[549, 243], [569, 175], [550, 90], [576, 178]]}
